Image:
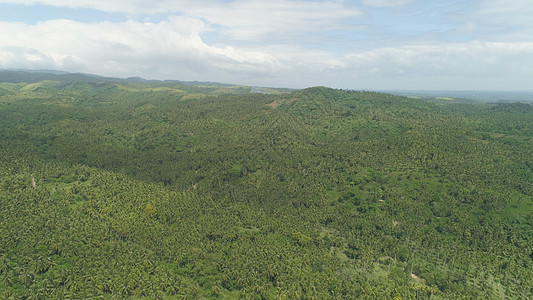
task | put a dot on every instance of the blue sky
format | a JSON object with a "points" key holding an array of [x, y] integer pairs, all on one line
{"points": [[367, 44]]}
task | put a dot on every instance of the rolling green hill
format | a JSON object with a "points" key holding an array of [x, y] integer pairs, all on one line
{"points": [[161, 190]]}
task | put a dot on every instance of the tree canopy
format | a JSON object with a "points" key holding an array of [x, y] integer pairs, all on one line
{"points": [[165, 190]]}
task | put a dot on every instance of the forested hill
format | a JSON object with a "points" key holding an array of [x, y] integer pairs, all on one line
{"points": [[35, 76], [32, 76], [161, 190]]}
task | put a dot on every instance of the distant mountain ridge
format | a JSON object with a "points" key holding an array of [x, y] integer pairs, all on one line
{"points": [[37, 71], [484, 96], [32, 76], [16, 76]]}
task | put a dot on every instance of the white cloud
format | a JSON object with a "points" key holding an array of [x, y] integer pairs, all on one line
{"points": [[475, 63], [505, 12], [239, 19], [22, 57], [275, 20], [245, 20], [474, 59], [175, 49], [123, 49], [122, 6], [502, 20], [386, 3], [266, 43], [309, 15]]}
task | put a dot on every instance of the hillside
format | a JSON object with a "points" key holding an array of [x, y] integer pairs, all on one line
{"points": [[165, 190], [23, 77]]}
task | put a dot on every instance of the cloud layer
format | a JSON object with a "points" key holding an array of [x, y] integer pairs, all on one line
{"points": [[281, 43]]}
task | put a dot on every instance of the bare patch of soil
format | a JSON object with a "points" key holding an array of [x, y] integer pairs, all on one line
{"points": [[275, 103], [278, 102], [417, 278]]}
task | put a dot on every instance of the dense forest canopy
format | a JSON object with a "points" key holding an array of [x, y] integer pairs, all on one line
{"points": [[171, 190]]}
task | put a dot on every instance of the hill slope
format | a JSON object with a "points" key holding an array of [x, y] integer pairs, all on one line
{"points": [[136, 190]]}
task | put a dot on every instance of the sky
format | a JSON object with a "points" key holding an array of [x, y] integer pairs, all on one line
{"points": [[362, 45]]}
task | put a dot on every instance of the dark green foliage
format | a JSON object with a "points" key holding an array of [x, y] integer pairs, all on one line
{"points": [[154, 190]]}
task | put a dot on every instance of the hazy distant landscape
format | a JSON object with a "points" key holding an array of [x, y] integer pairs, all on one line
{"points": [[484, 96], [30, 76]]}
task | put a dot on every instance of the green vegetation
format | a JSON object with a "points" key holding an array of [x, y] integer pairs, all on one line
{"points": [[165, 190]]}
